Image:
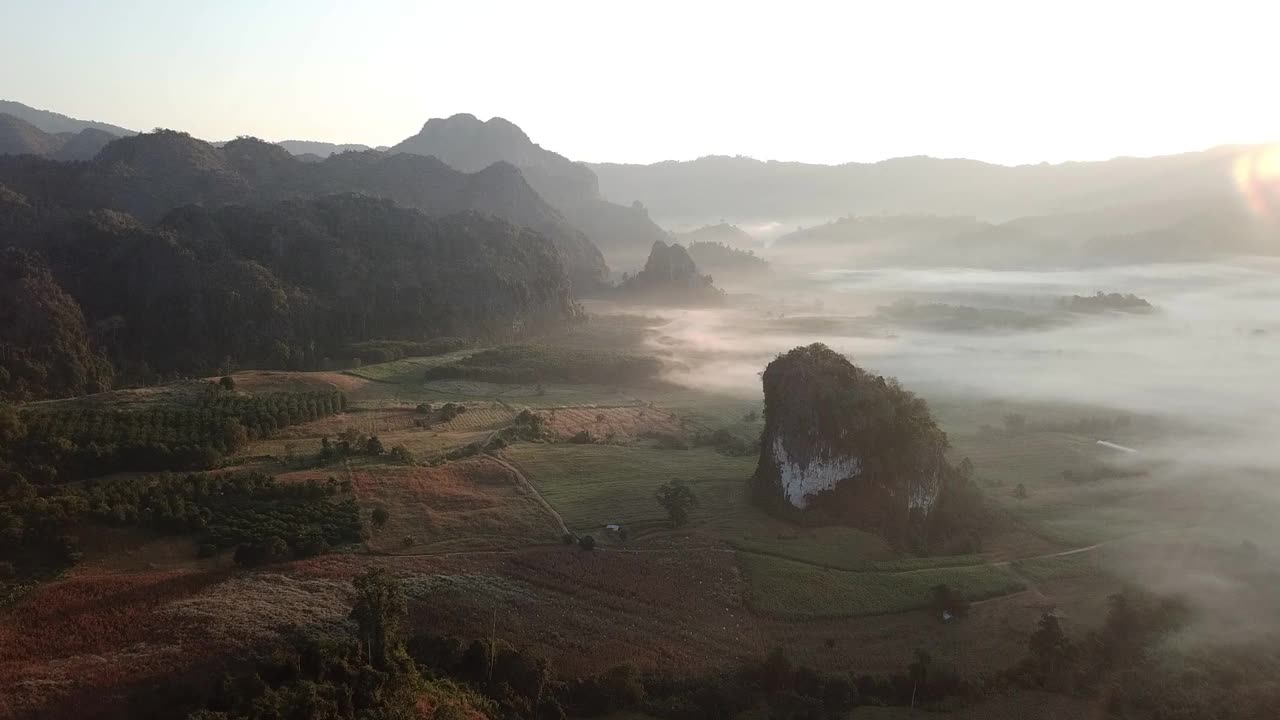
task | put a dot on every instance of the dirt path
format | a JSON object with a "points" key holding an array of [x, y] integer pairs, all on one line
{"points": [[564, 529]]}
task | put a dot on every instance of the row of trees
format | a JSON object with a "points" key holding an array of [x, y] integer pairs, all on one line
{"points": [[220, 510], [59, 443]]}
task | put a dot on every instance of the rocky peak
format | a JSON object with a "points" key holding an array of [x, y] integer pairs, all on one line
{"points": [[854, 444]]}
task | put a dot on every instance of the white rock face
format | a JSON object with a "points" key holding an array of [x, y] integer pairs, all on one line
{"points": [[799, 482], [924, 492]]}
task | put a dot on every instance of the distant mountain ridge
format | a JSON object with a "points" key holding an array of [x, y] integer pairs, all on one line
{"points": [[740, 187], [54, 123], [323, 149], [624, 232], [19, 137]]}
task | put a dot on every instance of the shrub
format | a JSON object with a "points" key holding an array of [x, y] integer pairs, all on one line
{"points": [[380, 516], [583, 437], [207, 550], [403, 455], [567, 538], [677, 499], [586, 542], [227, 382]]}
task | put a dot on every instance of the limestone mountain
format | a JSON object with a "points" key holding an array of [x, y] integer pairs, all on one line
{"points": [[670, 277], [844, 444], [150, 174], [463, 141]]}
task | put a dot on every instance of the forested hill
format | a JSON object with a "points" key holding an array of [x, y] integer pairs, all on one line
{"points": [[19, 137], [150, 174], [624, 232], [287, 286]]}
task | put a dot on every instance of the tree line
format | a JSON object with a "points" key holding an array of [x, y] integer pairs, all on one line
{"points": [[263, 519], [57, 443]]}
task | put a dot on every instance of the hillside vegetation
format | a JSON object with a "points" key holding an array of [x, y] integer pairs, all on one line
{"points": [[286, 286]]}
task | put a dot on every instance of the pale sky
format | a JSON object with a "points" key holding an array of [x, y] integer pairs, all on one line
{"points": [[1007, 82]]}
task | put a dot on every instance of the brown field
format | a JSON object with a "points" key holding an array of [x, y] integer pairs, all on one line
{"points": [[589, 611], [93, 635], [611, 424], [468, 504]]}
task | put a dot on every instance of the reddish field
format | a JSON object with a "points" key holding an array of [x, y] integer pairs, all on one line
{"points": [[95, 634], [467, 504]]}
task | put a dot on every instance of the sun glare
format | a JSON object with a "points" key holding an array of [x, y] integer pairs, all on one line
{"points": [[1257, 175]]}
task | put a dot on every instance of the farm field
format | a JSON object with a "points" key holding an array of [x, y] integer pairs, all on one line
{"points": [[468, 504], [791, 589], [477, 550], [596, 485]]}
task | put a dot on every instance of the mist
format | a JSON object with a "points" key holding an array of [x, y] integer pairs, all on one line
{"points": [[1197, 373]]}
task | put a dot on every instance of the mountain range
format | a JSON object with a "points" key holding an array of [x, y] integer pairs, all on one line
{"points": [[1182, 206], [150, 174], [744, 188]]}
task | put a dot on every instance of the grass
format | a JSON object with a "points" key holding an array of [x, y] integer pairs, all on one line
{"points": [[407, 370], [595, 485], [793, 589], [1053, 568]]}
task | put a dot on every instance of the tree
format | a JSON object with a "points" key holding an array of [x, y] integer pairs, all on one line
{"points": [[676, 498], [1015, 423], [586, 542], [1020, 492], [379, 610], [380, 516], [1051, 651], [228, 383], [373, 445]]}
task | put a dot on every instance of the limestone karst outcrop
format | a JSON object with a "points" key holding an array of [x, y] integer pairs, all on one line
{"points": [[845, 444], [670, 277]]}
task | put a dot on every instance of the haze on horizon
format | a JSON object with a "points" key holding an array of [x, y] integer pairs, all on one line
{"points": [[998, 81]]}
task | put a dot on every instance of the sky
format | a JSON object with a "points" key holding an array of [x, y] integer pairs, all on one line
{"points": [[607, 81]]}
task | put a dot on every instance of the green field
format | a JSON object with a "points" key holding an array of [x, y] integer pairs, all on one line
{"points": [[595, 485], [795, 589], [1054, 568], [406, 370]]}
